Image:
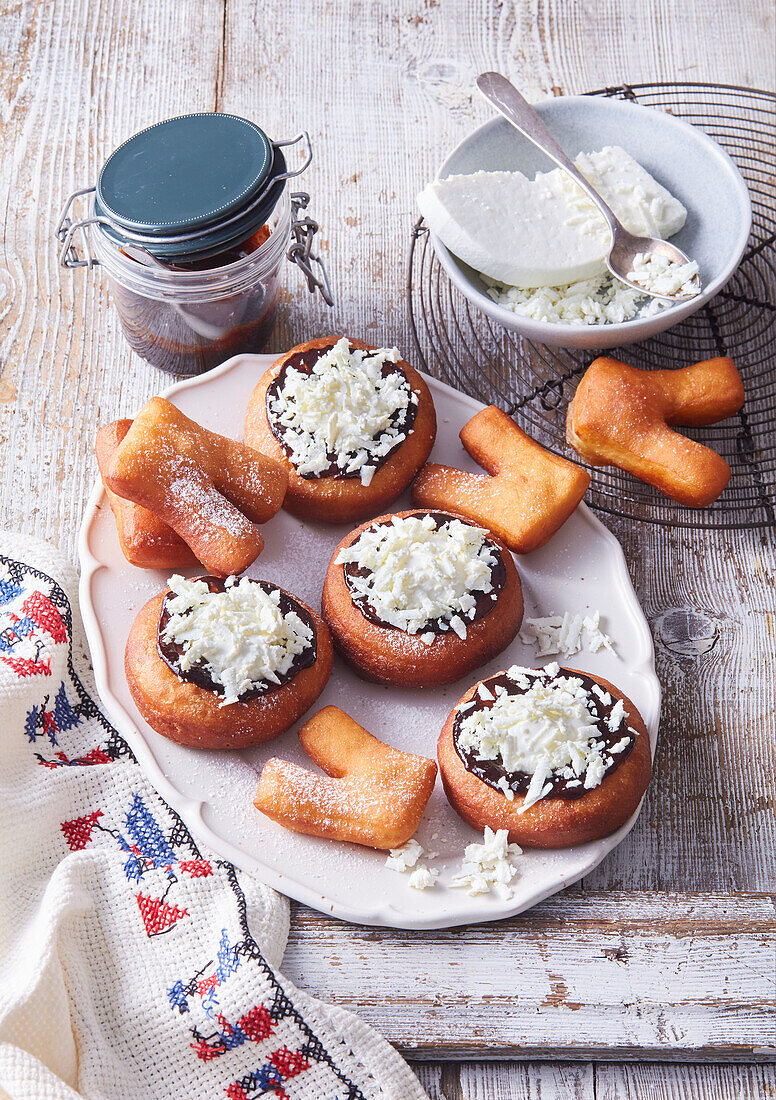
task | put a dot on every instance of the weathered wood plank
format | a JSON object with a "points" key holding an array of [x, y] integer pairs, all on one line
{"points": [[671, 1082], [667, 976], [598, 1081], [78, 78], [709, 822], [592, 44], [507, 1081]]}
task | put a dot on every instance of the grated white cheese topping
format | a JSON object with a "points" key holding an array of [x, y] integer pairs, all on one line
{"points": [[601, 300], [240, 634], [547, 729], [661, 275], [343, 408], [565, 634], [420, 573], [488, 865]]}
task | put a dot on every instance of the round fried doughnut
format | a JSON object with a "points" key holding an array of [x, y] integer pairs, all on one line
{"points": [[552, 822], [337, 498], [390, 655], [189, 714]]}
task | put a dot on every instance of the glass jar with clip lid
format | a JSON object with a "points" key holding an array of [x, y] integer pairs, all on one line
{"points": [[191, 220]]}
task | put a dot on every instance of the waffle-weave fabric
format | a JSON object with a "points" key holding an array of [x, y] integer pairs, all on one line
{"points": [[134, 963]]}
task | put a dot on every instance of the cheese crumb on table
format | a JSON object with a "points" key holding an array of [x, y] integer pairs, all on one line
{"points": [[404, 858], [423, 878]]}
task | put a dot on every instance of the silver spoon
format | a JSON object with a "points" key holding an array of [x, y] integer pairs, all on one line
{"points": [[625, 247]]}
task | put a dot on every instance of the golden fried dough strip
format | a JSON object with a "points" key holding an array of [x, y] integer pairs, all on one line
{"points": [[372, 794], [211, 490], [530, 494], [622, 416]]}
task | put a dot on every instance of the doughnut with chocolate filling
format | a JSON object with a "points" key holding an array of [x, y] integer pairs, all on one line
{"points": [[421, 598], [554, 756], [352, 425], [216, 664]]}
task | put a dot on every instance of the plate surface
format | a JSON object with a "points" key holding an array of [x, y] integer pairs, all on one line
{"points": [[581, 569], [695, 169]]}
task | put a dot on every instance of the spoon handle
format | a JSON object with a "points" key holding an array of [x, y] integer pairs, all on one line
{"points": [[507, 100]]}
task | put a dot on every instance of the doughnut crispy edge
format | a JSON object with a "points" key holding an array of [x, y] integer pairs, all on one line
{"points": [[551, 822], [344, 500]]}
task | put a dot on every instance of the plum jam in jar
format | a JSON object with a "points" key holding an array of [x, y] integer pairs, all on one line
{"points": [[192, 220]]}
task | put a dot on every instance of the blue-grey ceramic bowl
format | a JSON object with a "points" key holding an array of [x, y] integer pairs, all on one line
{"points": [[692, 166]]}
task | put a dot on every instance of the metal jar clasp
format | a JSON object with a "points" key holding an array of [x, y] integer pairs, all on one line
{"points": [[303, 230]]}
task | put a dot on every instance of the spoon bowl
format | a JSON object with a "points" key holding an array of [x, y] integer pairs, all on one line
{"points": [[626, 251]]}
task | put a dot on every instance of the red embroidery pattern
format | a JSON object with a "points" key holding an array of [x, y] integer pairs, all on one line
{"points": [[78, 832], [197, 868], [157, 915], [45, 615], [257, 1024], [24, 667]]}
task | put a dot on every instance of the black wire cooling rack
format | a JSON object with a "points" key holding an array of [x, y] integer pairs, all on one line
{"points": [[534, 382]]}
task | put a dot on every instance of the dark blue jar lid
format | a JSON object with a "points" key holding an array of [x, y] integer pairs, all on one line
{"points": [[184, 174]]}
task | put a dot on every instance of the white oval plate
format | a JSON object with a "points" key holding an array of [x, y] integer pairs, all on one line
{"points": [[694, 168], [581, 569]]}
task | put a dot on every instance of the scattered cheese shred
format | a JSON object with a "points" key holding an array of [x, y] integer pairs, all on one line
{"points": [[404, 858], [488, 866], [565, 634]]}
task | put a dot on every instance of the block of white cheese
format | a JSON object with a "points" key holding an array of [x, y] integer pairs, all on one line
{"points": [[546, 231]]}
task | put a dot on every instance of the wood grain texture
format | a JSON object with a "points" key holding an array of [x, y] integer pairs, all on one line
{"points": [[663, 976], [672, 936], [598, 1081]]}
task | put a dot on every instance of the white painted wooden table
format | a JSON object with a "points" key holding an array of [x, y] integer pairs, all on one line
{"points": [[662, 962]]}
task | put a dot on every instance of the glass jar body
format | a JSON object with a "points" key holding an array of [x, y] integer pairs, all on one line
{"points": [[187, 319]]}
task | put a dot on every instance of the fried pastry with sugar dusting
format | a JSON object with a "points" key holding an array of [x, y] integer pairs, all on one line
{"points": [[372, 794], [145, 539], [623, 416], [529, 496], [211, 490]]}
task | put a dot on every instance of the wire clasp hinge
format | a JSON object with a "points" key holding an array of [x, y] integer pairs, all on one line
{"points": [[303, 230]]}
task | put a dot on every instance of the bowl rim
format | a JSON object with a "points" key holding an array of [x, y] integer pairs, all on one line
{"points": [[559, 334]]}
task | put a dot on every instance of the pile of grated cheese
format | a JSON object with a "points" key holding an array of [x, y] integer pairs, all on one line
{"points": [[548, 729], [602, 300], [343, 408], [660, 275], [565, 634], [418, 573], [240, 634]]}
